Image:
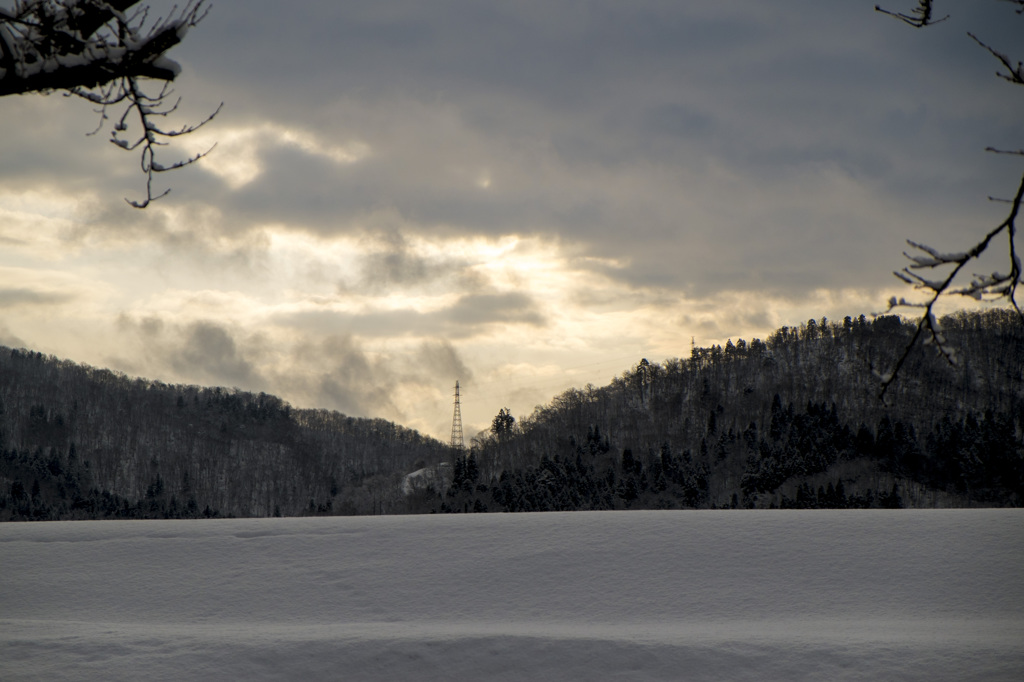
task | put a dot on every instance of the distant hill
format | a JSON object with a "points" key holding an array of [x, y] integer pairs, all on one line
{"points": [[793, 421], [80, 442]]}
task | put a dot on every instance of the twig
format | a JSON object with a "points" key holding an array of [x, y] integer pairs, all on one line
{"points": [[919, 17], [1016, 75]]}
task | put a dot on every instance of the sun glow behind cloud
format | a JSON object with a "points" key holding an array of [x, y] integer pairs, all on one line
{"points": [[516, 318], [235, 153]]}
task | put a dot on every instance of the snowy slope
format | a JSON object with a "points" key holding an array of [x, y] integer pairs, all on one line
{"points": [[682, 595]]}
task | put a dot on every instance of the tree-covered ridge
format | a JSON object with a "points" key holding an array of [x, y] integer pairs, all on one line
{"points": [[794, 421], [80, 442]]}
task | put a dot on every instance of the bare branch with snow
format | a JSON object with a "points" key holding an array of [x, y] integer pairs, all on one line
{"points": [[982, 287], [994, 286], [102, 51]]}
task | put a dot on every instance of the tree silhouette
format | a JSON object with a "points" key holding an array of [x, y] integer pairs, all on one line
{"points": [[503, 424], [104, 51]]}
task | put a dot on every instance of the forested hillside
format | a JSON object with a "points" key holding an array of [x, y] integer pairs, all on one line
{"points": [[794, 421], [79, 442]]}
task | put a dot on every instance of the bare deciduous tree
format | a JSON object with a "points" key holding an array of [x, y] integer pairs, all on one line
{"points": [[947, 266], [106, 52]]}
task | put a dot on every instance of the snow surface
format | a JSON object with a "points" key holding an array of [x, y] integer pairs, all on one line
{"points": [[679, 595]]}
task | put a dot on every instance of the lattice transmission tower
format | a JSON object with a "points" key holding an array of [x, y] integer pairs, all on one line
{"points": [[457, 443]]}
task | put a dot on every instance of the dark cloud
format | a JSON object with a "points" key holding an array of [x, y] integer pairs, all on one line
{"points": [[602, 125], [327, 370], [332, 371], [204, 351], [208, 349], [469, 315], [346, 379], [392, 263], [397, 265], [688, 141], [20, 296], [338, 373], [441, 361], [678, 120], [10, 340], [508, 308]]}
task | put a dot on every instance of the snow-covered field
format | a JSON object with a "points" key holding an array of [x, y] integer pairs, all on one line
{"points": [[681, 595]]}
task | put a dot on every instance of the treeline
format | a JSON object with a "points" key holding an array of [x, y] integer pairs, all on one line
{"points": [[795, 421], [62, 489], [79, 442]]}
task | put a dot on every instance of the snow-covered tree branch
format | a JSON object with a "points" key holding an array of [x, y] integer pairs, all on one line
{"points": [[947, 266], [104, 51]]}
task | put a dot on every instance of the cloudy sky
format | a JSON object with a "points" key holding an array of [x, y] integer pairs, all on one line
{"points": [[523, 196]]}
